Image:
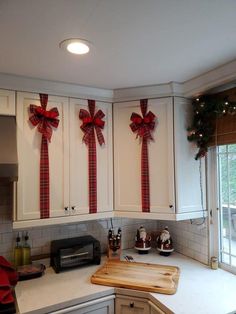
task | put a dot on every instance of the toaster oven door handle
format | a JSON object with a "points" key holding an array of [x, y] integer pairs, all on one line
{"points": [[77, 254]]}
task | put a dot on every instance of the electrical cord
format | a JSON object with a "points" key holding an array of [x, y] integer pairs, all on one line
{"points": [[201, 192]]}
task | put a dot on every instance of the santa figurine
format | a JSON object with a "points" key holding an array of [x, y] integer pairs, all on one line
{"points": [[142, 241], [164, 242]]}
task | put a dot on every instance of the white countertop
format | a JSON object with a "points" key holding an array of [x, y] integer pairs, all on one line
{"points": [[200, 290]]}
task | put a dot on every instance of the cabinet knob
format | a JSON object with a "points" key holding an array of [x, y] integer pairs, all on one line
{"points": [[66, 208], [131, 304], [171, 206], [73, 207]]}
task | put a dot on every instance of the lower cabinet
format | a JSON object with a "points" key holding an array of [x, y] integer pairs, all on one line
{"points": [[132, 305], [99, 306]]}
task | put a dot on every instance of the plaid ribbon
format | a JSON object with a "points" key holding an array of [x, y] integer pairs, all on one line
{"points": [[143, 127], [92, 122], [45, 120]]}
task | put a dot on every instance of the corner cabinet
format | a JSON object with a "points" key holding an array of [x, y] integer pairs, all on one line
{"points": [[135, 305], [176, 184], [68, 165]]}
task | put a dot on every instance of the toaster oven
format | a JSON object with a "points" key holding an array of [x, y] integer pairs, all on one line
{"points": [[74, 252]]}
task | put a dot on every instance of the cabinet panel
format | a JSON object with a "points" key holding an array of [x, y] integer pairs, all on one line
{"points": [[190, 173], [29, 143], [7, 102], [127, 158], [79, 196], [98, 306]]}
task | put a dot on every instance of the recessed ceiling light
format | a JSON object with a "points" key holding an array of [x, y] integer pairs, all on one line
{"points": [[76, 45]]}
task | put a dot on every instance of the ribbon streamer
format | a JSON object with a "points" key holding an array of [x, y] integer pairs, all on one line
{"points": [[44, 120], [143, 125], [92, 123]]}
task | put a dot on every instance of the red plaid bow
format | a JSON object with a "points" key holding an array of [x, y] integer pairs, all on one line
{"points": [[92, 121], [43, 118], [45, 121], [143, 127]]}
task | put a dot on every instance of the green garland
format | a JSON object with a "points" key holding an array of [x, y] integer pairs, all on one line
{"points": [[206, 109]]}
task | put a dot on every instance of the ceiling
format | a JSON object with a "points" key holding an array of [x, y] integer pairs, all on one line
{"points": [[135, 42]]}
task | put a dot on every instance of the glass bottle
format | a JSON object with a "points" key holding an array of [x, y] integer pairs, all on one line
{"points": [[18, 252], [26, 251]]}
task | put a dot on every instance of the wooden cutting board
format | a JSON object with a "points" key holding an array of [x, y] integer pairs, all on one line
{"points": [[138, 276]]}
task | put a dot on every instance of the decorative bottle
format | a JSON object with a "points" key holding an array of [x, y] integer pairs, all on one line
{"points": [[18, 252], [26, 251]]}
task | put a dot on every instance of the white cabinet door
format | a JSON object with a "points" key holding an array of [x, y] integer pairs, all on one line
{"points": [[127, 159], [103, 305], [79, 193], [29, 143], [7, 102], [190, 183], [131, 305]]}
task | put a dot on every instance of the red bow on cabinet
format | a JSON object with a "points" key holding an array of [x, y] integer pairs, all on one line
{"points": [[45, 120], [92, 122], [143, 126]]}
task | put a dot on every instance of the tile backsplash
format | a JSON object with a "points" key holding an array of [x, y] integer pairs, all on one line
{"points": [[189, 239]]}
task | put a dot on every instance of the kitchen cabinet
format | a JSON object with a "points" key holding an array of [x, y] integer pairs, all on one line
{"points": [[29, 143], [176, 186], [103, 305], [68, 160], [7, 102], [131, 305], [79, 161]]}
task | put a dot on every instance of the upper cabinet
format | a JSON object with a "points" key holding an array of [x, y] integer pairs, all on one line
{"points": [[79, 180], [176, 186], [68, 164], [7, 102], [176, 180], [29, 144]]}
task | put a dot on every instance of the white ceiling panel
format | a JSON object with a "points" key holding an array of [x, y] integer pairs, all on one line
{"points": [[135, 42]]}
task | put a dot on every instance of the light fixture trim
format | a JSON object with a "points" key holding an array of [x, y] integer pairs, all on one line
{"points": [[78, 46]]}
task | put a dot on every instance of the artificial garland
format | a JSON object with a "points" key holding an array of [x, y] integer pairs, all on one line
{"points": [[206, 109]]}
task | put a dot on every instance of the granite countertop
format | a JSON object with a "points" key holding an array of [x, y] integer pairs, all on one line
{"points": [[200, 290]]}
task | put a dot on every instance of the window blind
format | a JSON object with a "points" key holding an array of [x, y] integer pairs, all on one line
{"points": [[225, 130]]}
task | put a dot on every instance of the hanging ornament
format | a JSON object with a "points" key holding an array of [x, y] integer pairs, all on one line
{"points": [[92, 123], [143, 127], [45, 120]]}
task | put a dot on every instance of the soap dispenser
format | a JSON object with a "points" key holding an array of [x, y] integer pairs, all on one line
{"points": [[26, 251], [18, 252]]}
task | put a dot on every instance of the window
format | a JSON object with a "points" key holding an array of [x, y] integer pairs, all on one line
{"points": [[226, 178]]}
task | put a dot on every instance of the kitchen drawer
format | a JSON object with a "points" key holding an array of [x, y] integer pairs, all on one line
{"points": [[131, 305]]}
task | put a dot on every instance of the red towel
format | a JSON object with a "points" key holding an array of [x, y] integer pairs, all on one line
{"points": [[10, 271], [5, 288], [8, 278]]}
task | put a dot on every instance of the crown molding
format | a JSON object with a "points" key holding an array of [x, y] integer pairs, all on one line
{"points": [[27, 84], [223, 76], [219, 76], [152, 91]]}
